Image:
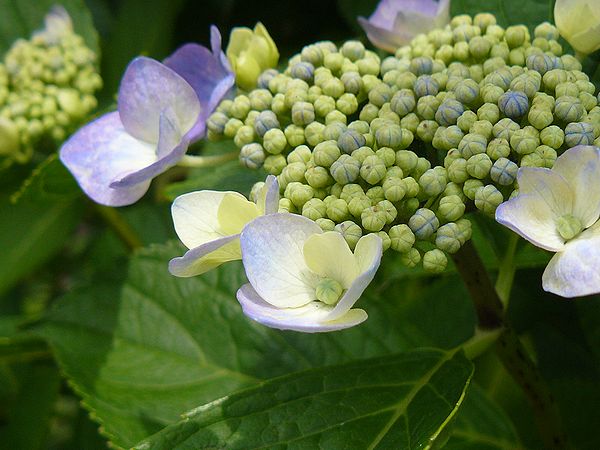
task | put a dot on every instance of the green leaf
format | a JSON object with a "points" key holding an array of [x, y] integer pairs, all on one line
{"points": [[20, 18], [162, 345], [401, 401], [508, 12], [32, 232], [482, 425]]}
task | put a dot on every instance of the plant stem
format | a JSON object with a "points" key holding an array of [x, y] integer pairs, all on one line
{"points": [[488, 307], [121, 228], [506, 274], [207, 161], [487, 304]]}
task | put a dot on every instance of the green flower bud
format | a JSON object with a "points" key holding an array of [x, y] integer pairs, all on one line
{"points": [[328, 291], [500, 50], [410, 122], [314, 209], [435, 261], [373, 169], [394, 189], [347, 104], [540, 117], [504, 128], [422, 65], [457, 171], [295, 95], [312, 54], [488, 112], [547, 154], [252, 156], [350, 231], [260, 99], [357, 204], [406, 80], [546, 30], [345, 170], [350, 140], [482, 128], [426, 85], [387, 155], [433, 181], [497, 73], [265, 121], [386, 113], [471, 186], [461, 51], [326, 224], [389, 209], [240, 107], [488, 198], [450, 157], [451, 208], [326, 153], [532, 160], [278, 105], [579, 133], [427, 107], [472, 144], [423, 165], [274, 141], [352, 82], [426, 130], [351, 190], [303, 71], [303, 113], [567, 88], [313, 133], [335, 116], [514, 104], [389, 136], [552, 136], [286, 206], [323, 105], [479, 47], [504, 172], [516, 36], [589, 101], [553, 78], [353, 50], [479, 166], [466, 120], [412, 187], [368, 66], [490, 93], [406, 160], [375, 194], [380, 94], [251, 118], [541, 63], [447, 238], [333, 87], [373, 218], [300, 154], [216, 122], [585, 86], [449, 112], [298, 193], [231, 128], [274, 164], [318, 177], [411, 258], [423, 223], [360, 154], [401, 238], [294, 171], [523, 143], [467, 91], [569, 109]]}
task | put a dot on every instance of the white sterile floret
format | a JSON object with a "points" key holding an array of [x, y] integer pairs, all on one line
{"points": [[302, 278], [209, 223], [558, 209]]}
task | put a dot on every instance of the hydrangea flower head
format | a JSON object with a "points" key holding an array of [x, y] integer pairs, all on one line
{"points": [[302, 278], [558, 210], [395, 22], [209, 225], [162, 108]]}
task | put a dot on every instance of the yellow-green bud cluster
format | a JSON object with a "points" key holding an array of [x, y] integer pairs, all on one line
{"points": [[47, 86], [403, 147]]}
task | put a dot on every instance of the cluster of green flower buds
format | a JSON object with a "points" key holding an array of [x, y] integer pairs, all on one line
{"points": [[47, 86], [404, 146]]}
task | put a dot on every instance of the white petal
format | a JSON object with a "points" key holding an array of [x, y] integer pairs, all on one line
{"points": [[310, 318], [532, 219], [235, 211], [580, 166], [206, 257], [273, 260], [329, 256], [383, 38], [548, 186], [268, 197], [147, 89], [367, 253], [196, 217], [576, 270], [103, 151]]}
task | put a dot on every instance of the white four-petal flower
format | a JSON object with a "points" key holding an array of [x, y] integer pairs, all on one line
{"points": [[209, 225], [286, 257], [558, 210]]}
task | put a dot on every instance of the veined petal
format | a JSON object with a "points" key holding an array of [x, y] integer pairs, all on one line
{"points": [[207, 256], [310, 318], [563, 11], [235, 212], [196, 217], [531, 218], [580, 166], [208, 73], [329, 256], [149, 88], [268, 197], [384, 38], [574, 272], [102, 151], [367, 253], [588, 40], [549, 187], [273, 260]]}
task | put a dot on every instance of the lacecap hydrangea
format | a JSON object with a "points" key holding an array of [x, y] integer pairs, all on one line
{"points": [[404, 146]]}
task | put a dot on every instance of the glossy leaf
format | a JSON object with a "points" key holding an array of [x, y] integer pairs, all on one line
{"points": [[401, 401]]}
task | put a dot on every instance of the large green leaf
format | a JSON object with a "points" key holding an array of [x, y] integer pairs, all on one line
{"points": [[163, 345], [401, 401], [20, 18], [482, 425], [508, 12]]}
